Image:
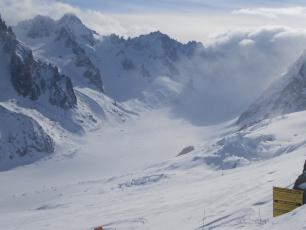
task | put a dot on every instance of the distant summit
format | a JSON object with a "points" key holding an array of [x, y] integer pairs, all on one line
{"points": [[70, 19], [31, 78], [44, 26], [40, 26], [64, 39]]}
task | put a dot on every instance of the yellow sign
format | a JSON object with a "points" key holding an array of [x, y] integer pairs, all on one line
{"points": [[285, 200]]}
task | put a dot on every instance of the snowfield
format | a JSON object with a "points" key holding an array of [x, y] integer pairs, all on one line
{"points": [[149, 187]]}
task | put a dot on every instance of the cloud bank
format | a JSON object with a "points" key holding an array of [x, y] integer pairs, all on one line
{"points": [[273, 12], [193, 24], [233, 71], [14, 11]]}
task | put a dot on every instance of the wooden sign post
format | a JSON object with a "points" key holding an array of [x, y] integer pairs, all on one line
{"points": [[286, 200]]}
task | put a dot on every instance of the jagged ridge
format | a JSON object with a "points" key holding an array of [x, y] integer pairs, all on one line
{"points": [[33, 79], [67, 33]]}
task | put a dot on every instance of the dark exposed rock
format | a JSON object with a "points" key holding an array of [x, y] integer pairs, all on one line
{"points": [[75, 36], [69, 21], [300, 183], [42, 27], [33, 79], [186, 150], [81, 59], [128, 64], [5, 28], [21, 75], [144, 72]]}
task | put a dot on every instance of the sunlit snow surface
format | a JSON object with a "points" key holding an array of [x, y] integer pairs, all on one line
{"points": [[116, 159], [107, 178]]}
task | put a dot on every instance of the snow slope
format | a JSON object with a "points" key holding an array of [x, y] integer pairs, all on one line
{"points": [[285, 96], [164, 195], [22, 140]]}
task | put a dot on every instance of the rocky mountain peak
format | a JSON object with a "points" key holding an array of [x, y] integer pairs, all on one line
{"points": [[30, 78], [40, 26], [5, 28], [75, 26], [67, 38], [44, 26], [70, 18]]}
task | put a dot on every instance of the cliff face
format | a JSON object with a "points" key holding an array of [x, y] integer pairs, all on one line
{"points": [[23, 139], [33, 79], [64, 43]]}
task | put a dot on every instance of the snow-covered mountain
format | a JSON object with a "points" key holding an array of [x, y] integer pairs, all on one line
{"points": [[152, 68], [147, 65], [285, 96], [23, 140], [156, 171], [203, 84], [44, 104], [64, 43], [25, 80], [43, 26], [30, 78]]}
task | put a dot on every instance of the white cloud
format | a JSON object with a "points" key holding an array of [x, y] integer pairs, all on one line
{"points": [[273, 12], [247, 42], [234, 70], [14, 11], [192, 26]]}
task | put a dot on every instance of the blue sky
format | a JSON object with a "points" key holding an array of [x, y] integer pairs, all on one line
{"points": [[182, 19], [139, 6]]}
